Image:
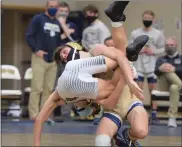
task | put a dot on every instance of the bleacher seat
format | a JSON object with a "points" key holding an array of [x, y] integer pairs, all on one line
{"points": [[163, 103], [162, 95]]}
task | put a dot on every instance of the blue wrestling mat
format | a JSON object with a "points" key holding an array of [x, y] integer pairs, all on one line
{"points": [[77, 127]]}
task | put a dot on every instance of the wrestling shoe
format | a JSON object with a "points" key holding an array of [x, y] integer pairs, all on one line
{"points": [[115, 11], [133, 49], [123, 140]]}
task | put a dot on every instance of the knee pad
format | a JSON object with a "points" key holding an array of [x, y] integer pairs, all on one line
{"points": [[103, 140]]}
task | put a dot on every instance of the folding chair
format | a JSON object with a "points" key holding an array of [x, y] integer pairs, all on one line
{"points": [[11, 73], [28, 77], [26, 92]]}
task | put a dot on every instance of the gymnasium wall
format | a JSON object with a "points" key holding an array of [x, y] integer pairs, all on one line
{"points": [[14, 48], [169, 12]]}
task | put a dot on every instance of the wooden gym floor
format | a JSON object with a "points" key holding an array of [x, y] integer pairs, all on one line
{"points": [[75, 133]]}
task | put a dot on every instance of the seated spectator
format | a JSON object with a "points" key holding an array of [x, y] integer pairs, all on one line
{"points": [[169, 72]]}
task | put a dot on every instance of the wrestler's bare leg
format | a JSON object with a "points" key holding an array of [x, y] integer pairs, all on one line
{"points": [[103, 135], [119, 37], [138, 119]]}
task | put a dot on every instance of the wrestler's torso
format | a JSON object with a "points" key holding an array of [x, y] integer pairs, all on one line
{"points": [[125, 100]]}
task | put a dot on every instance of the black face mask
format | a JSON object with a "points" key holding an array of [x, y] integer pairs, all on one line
{"points": [[91, 19], [73, 52], [170, 50], [147, 23]]}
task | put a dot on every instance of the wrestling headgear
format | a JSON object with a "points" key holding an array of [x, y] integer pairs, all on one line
{"points": [[73, 54], [85, 111]]}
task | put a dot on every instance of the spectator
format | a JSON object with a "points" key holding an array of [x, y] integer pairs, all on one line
{"points": [[70, 32], [145, 65], [169, 72], [96, 32], [43, 36], [70, 29], [109, 42]]}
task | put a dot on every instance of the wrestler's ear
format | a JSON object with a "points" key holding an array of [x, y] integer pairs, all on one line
{"points": [[56, 56]]}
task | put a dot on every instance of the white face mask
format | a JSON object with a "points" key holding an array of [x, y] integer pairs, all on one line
{"points": [[63, 14]]}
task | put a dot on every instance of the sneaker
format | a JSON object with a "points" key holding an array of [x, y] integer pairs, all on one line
{"points": [[115, 11], [123, 140], [172, 122], [133, 49]]}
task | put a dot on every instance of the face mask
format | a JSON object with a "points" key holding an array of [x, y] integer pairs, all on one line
{"points": [[73, 55], [52, 11], [63, 14], [91, 19], [170, 50], [147, 23]]}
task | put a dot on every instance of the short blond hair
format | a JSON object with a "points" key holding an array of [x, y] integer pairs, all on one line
{"points": [[47, 3], [150, 12], [172, 38]]}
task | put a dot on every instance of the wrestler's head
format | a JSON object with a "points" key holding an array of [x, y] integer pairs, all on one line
{"points": [[67, 52], [89, 108]]}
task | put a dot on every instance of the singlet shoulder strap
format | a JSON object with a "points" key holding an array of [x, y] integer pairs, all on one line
{"points": [[90, 54]]}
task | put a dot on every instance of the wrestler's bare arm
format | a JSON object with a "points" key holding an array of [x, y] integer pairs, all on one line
{"points": [[53, 101], [111, 101], [116, 55]]}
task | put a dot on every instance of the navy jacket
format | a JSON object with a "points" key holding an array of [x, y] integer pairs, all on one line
{"points": [[44, 34], [175, 61], [74, 35]]}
